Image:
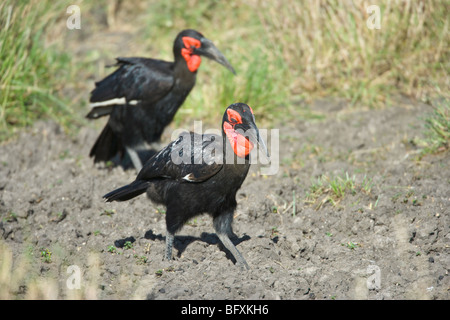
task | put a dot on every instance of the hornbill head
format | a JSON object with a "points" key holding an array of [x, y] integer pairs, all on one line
{"points": [[191, 45], [240, 128]]}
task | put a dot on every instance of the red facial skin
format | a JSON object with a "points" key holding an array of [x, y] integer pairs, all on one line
{"points": [[192, 60], [240, 144]]}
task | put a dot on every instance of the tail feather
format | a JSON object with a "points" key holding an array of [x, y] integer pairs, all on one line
{"points": [[127, 192], [106, 146]]}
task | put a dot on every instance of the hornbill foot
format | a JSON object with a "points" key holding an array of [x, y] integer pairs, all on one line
{"points": [[240, 261]]}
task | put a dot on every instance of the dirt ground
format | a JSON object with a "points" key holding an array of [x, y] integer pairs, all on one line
{"points": [[386, 240]]}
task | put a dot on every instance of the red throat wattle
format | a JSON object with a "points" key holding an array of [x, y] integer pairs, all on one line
{"points": [[192, 60], [240, 144]]}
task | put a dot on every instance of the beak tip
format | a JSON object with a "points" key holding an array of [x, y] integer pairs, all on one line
{"points": [[227, 65], [209, 50]]}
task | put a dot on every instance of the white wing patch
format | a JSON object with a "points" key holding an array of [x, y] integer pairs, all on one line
{"points": [[188, 177], [113, 102]]}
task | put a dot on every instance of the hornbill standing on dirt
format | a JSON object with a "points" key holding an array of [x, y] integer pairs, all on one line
{"points": [[142, 96], [200, 173]]}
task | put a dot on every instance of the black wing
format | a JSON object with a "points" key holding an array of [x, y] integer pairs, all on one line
{"points": [[192, 158], [189, 159], [138, 79]]}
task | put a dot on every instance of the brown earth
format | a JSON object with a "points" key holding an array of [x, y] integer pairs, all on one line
{"points": [[387, 239]]}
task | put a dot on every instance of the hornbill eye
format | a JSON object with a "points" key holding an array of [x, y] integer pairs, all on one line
{"points": [[234, 117]]}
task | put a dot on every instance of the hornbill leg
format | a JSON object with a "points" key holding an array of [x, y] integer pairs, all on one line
{"points": [[234, 251], [134, 158], [169, 245], [222, 225]]}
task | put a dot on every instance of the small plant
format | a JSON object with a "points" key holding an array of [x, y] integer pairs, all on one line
{"points": [[108, 213], [160, 272], [46, 255], [169, 269], [161, 211], [64, 154], [10, 217], [193, 222], [376, 202], [395, 197], [140, 259], [112, 249], [367, 184], [109, 164], [340, 185], [317, 186], [351, 245], [274, 232], [128, 245]]}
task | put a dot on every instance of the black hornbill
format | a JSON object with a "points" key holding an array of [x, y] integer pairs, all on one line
{"points": [[142, 96], [200, 173]]}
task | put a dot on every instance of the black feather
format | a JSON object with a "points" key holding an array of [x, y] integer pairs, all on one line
{"points": [[127, 192], [106, 146]]}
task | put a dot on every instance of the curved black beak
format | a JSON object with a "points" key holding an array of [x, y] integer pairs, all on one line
{"points": [[209, 50], [251, 131]]}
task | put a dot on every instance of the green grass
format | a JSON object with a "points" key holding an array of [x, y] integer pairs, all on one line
{"points": [[257, 84], [437, 129], [333, 189], [30, 71], [261, 80], [331, 51], [282, 52]]}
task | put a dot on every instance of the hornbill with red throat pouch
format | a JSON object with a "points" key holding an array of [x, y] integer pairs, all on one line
{"points": [[143, 95], [207, 182]]}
